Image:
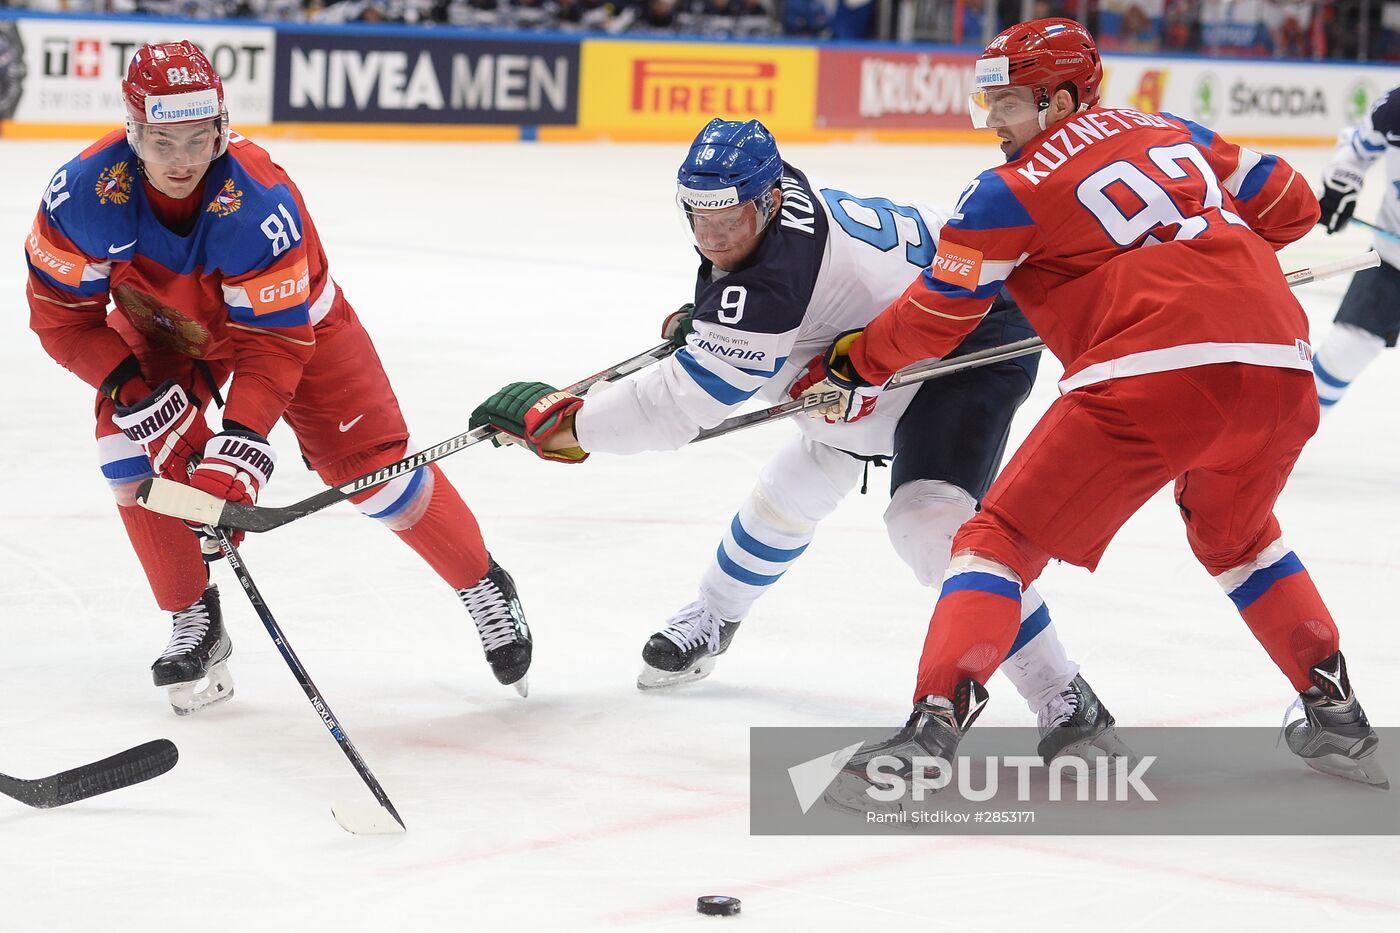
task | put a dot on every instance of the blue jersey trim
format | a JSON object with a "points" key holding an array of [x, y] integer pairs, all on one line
{"points": [[122, 471], [1199, 134], [991, 206], [1254, 181], [714, 386]]}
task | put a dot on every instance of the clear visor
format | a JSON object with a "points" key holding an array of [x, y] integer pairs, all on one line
{"points": [[1002, 106], [725, 228], [179, 144]]}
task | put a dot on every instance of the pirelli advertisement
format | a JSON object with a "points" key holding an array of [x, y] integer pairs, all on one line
{"points": [[60, 76]]}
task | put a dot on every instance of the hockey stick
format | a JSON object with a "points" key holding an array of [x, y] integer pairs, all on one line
{"points": [[924, 371], [361, 819], [168, 497], [1381, 231], [121, 770]]}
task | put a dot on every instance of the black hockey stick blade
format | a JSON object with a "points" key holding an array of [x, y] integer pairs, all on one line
{"points": [[121, 770], [167, 497], [368, 819]]}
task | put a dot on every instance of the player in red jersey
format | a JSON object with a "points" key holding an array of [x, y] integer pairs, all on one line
{"points": [[1141, 248], [205, 248]]}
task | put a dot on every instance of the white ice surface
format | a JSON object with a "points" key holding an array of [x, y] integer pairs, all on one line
{"points": [[591, 805]]}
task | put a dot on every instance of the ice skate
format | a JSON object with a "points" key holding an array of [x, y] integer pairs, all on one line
{"points": [[934, 729], [685, 650], [1075, 723], [192, 669], [1328, 729], [500, 621]]}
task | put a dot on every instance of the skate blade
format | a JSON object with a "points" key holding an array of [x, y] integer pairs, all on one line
{"points": [[1363, 771], [847, 793], [652, 678], [216, 686], [366, 819], [522, 686], [1101, 749]]}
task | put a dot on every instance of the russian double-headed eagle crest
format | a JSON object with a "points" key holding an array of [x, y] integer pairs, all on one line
{"points": [[114, 184], [228, 200], [163, 325]]}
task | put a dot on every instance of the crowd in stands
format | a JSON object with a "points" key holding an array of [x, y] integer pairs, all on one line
{"points": [[718, 18]]}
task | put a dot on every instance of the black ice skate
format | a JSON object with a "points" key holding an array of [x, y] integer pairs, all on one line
{"points": [[192, 669], [1332, 734], [934, 730], [685, 650], [495, 608], [1075, 723]]}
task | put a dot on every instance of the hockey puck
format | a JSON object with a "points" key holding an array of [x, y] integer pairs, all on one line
{"points": [[717, 905]]}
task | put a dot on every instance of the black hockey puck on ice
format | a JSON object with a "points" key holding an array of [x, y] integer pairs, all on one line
{"points": [[717, 905]]}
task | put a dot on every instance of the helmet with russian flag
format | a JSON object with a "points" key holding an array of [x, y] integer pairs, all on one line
{"points": [[1043, 55], [172, 84]]}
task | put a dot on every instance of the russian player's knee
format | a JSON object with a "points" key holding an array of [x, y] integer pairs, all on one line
{"points": [[921, 519], [401, 502], [124, 466]]}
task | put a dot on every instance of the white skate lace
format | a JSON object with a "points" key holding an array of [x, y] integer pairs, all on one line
{"points": [[693, 625], [190, 626], [491, 612], [1058, 711]]}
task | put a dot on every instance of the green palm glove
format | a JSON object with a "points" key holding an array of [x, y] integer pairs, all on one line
{"points": [[531, 413], [679, 324]]}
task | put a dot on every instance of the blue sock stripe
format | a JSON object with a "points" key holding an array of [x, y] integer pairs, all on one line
{"points": [[1244, 595], [1031, 626], [1327, 402], [983, 582], [757, 548], [1327, 378], [741, 574], [399, 504]]}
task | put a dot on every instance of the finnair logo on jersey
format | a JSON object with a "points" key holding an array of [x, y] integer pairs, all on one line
{"points": [[174, 108], [709, 200], [992, 72]]}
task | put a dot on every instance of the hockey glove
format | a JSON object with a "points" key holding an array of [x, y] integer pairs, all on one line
{"points": [[530, 413], [236, 465], [832, 371], [1338, 201], [679, 325], [168, 426]]}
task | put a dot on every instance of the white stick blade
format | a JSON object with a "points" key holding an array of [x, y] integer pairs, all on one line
{"points": [[167, 497], [366, 819]]}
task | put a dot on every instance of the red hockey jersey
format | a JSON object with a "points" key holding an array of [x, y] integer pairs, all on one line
{"points": [[247, 286], [1134, 242]]}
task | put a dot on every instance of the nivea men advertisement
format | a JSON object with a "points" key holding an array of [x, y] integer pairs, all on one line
{"points": [[366, 78]]}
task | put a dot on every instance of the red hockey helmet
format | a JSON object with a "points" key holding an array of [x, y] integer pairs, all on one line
{"points": [[173, 84], [1043, 55]]}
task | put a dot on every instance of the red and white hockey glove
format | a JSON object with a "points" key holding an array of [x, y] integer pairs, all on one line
{"points": [[168, 426], [236, 465], [832, 373], [532, 414]]}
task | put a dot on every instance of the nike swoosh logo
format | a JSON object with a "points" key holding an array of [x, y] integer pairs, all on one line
{"points": [[121, 249], [347, 425]]}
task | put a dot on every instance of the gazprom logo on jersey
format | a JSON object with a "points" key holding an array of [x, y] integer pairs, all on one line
{"points": [[992, 72], [709, 200], [179, 108]]}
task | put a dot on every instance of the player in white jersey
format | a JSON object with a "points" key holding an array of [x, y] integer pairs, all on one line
{"points": [[787, 266], [1368, 320]]}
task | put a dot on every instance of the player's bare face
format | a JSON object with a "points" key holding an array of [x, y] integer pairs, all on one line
{"points": [[1012, 113], [176, 157], [728, 236]]}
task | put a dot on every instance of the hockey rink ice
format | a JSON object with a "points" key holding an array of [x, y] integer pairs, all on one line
{"points": [[590, 805]]}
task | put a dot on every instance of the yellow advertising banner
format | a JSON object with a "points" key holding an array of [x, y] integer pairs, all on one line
{"points": [[668, 90]]}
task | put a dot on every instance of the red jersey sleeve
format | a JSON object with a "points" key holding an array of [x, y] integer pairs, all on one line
{"points": [[1268, 193]]}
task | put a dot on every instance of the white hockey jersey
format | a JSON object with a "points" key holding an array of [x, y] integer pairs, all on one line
{"points": [[1359, 147], [829, 262]]}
